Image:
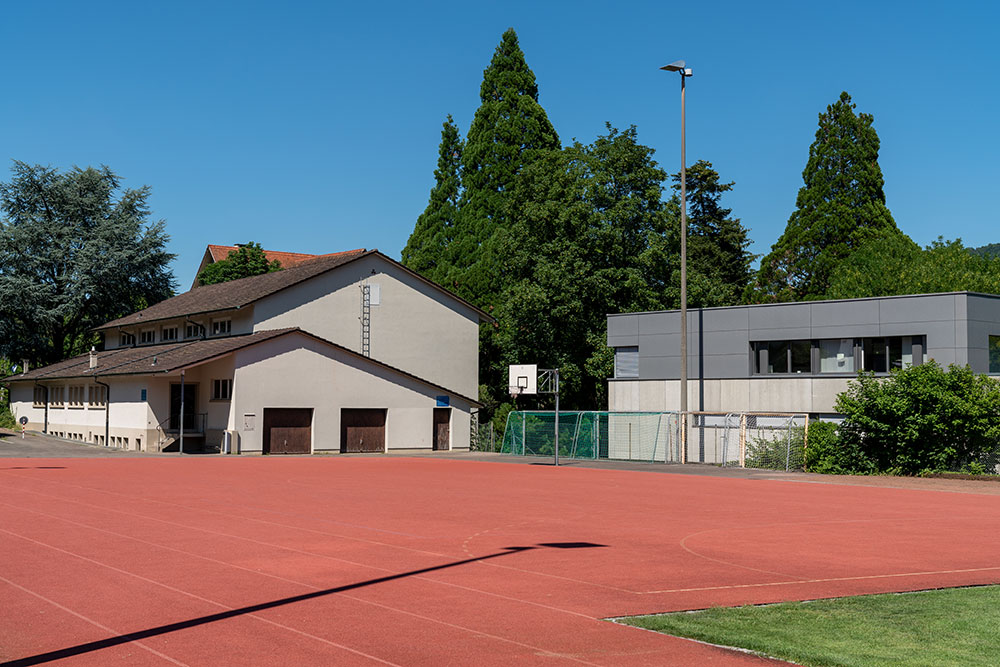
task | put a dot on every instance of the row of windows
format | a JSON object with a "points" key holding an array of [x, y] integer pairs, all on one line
{"points": [[169, 334], [838, 355], [72, 396], [819, 357]]}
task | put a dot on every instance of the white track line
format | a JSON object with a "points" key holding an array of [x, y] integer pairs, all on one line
{"points": [[88, 620], [537, 649]]}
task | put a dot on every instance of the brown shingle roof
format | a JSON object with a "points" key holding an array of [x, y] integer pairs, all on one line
{"points": [[242, 292], [170, 357], [236, 293], [147, 359]]}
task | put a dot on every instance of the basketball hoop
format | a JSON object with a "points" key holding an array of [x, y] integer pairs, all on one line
{"points": [[519, 387], [515, 391]]}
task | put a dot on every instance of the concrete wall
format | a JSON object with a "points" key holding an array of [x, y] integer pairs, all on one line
{"points": [[415, 327], [809, 394], [719, 338], [299, 372]]}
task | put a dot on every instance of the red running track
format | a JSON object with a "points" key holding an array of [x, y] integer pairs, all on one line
{"points": [[343, 561]]}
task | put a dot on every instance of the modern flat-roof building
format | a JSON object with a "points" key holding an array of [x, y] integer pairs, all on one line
{"points": [[793, 357]]}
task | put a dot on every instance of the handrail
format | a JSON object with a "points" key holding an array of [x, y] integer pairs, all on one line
{"points": [[196, 416]]}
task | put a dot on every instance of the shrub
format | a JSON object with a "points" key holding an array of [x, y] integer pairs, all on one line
{"points": [[922, 418], [827, 453]]}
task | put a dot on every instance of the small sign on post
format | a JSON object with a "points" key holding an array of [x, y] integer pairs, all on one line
{"points": [[24, 425]]}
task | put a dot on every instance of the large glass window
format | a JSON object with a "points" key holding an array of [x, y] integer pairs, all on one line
{"points": [[836, 355], [783, 356], [626, 362], [879, 355], [777, 356], [994, 354]]}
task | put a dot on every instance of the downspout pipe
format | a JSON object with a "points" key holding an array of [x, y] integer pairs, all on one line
{"points": [[45, 423], [182, 413], [201, 326], [107, 411]]}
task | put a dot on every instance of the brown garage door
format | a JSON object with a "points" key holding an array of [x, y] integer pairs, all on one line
{"points": [[362, 430], [287, 430]]}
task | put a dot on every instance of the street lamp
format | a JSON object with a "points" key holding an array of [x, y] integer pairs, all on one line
{"points": [[679, 66]]}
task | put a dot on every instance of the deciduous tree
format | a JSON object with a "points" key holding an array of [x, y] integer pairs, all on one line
{"points": [[246, 261], [76, 250]]}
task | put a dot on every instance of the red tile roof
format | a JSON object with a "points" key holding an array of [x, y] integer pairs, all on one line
{"points": [[287, 259]]}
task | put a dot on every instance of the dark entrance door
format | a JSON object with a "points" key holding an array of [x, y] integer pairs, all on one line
{"points": [[287, 430], [442, 425], [190, 406], [362, 430]]}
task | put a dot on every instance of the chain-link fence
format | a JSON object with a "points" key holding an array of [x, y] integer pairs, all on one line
{"points": [[751, 440], [622, 436]]}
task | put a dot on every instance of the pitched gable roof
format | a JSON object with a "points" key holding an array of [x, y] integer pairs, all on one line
{"points": [[170, 357], [146, 359], [235, 293], [287, 259], [238, 293]]}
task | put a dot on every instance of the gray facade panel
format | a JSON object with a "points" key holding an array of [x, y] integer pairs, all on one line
{"points": [[654, 368], [654, 323], [935, 307], [788, 333], [784, 316], [717, 366], [623, 325], [725, 342], [724, 319], [846, 331], [622, 341], [660, 345], [837, 313]]}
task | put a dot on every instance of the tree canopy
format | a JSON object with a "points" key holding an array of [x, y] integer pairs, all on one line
{"points": [[890, 264], [426, 250], [246, 261], [509, 130], [838, 208], [76, 250]]}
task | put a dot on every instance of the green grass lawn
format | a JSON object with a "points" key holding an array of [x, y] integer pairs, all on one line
{"points": [[959, 626]]}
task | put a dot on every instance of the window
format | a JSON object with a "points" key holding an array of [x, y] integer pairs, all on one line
{"points": [[168, 333], [841, 355], [836, 355], [39, 397], [125, 339], [192, 330], [222, 390], [783, 356], [626, 362], [994, 354], [147, 336], [75, 397], [97, 396], [56, 396], [880, 355], [220, 327]]}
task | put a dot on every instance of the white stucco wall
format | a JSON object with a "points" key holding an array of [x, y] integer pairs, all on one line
{"points": [[296, 371], [415, 327]]}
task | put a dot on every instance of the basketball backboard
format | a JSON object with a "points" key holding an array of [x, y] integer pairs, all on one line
{"points": [[523, 379]]}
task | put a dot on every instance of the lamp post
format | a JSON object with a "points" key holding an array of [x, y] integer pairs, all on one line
{"points": [[679, 67]]}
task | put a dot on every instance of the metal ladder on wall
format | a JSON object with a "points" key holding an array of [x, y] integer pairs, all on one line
{"points": [[366, 318]]}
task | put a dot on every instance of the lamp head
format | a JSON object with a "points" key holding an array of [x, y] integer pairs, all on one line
{"points": [[678, 66]]}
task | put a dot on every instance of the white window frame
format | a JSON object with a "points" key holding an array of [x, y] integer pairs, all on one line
{"points": [[222, 389], [222, 326]]}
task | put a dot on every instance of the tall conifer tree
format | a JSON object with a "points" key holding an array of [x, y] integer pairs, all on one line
{"points": [[509, 129], [428, 244], [717, 242], [840, 206]]}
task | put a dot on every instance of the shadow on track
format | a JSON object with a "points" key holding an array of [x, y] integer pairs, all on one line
{"points": [[223, 615]]}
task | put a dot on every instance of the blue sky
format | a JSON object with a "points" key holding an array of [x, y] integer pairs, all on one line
{"points": [[313, 127]]}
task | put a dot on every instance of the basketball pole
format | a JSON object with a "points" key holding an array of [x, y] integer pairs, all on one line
{"points": [[556, 371]]}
